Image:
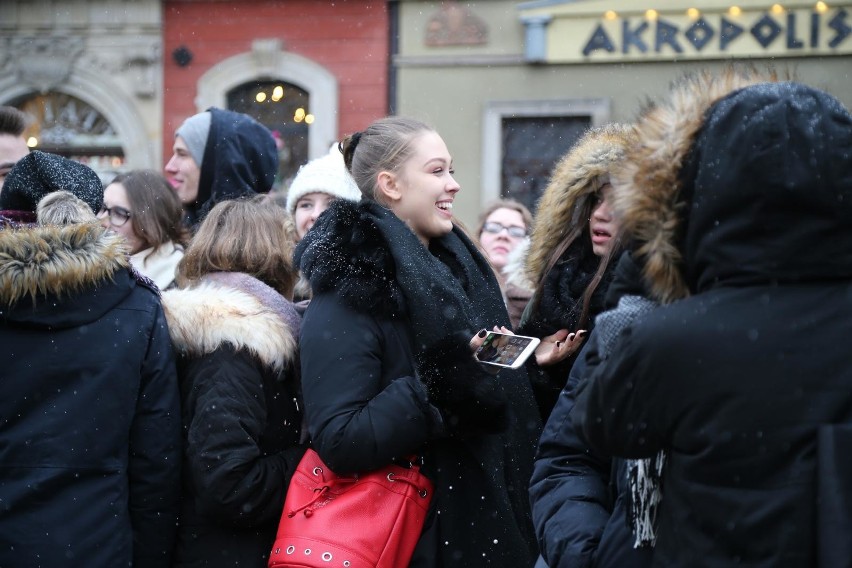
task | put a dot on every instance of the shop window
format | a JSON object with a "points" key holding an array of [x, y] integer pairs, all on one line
{"points": [[65, 125], [284, 109], [531, 148], [523, 141]]}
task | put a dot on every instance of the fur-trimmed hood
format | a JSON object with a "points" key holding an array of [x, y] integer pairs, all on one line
{"points": [[738, 179], [203, 318], [57, 261], [575, 180], [346, 252]]}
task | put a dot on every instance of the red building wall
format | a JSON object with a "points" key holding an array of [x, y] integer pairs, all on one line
{"points": [[347, 37]]}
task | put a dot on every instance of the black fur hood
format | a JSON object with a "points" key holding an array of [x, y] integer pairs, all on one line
{"points": [[345, 251]]}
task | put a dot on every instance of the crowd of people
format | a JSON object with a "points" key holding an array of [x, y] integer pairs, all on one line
{"points": [[175, 342]]}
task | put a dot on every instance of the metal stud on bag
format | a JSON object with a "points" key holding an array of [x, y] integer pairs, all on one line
{"points": [[422, 492]]}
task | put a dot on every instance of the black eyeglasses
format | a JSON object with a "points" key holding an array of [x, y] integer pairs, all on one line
{"points": [[513, 230], [118, 216]]}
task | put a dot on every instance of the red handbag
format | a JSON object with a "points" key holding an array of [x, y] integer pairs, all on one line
{"points": [[369, 520]]}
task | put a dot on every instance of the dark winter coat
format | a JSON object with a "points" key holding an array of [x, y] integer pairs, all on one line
{"points": [[385, 377], [242, 421], [566, 203], [240, 159], [739, 199], [580, 497], [89, 412]]}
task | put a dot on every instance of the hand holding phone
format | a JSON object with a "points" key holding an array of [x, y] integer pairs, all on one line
{"points": [[505, 349]]}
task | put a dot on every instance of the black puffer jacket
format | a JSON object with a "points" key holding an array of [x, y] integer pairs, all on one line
{"points": [[241, 414], [386, 377], [580, 497], [89, 407], [739, 199]]}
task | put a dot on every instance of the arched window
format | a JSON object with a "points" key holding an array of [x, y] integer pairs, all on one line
{"points": [[285, 109], [265, 63], [68, 126]]}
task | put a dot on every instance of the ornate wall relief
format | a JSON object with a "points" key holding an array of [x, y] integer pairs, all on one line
{"points": [[455, 25]]}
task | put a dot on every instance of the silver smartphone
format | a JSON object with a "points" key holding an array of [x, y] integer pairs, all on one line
{"points": [[506, 350]]}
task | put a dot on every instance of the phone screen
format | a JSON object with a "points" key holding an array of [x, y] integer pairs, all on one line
{"points": [[505, 350]]}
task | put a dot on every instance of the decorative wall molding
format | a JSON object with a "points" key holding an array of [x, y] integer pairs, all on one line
{"points": [[454, 24], [107, 53], [99, 92], [44, 62]]}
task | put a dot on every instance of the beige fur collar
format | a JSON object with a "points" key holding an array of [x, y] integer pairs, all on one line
{"points": [[54, 260], [647, 187], [575, 179], [203, 318], [515, 269]]}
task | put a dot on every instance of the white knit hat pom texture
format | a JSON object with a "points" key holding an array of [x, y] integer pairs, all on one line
{"points": [[326, 174]]}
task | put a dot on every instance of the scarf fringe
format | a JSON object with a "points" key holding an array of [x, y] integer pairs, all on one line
{"points": [[644, 477]]}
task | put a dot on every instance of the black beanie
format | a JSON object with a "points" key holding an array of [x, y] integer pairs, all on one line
{"points": [[39, 173]]}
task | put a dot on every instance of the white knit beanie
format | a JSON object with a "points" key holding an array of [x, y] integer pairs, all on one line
{"points": [[326, 174]]}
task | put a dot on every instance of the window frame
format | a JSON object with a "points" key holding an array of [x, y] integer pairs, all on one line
{"points": [[598, 110]]}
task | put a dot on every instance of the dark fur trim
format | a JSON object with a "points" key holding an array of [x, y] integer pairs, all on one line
{"points": [[347, 254], [470, 398]]}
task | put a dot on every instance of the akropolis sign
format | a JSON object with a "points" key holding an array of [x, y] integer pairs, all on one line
{"points": [[577, 33]]}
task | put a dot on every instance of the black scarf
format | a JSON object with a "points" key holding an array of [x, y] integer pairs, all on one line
{"points": [[560, 300], [451, 278]]}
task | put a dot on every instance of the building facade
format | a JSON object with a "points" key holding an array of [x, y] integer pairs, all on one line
{"points": [[108, 81], [310, 71], [90, 75], [511, 85]]}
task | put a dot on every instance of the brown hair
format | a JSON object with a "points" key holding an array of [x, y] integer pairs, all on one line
{"points": [[505, 204], [156, 208], [384, 146], [63, 208], [249, 235], [12, 121]]}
